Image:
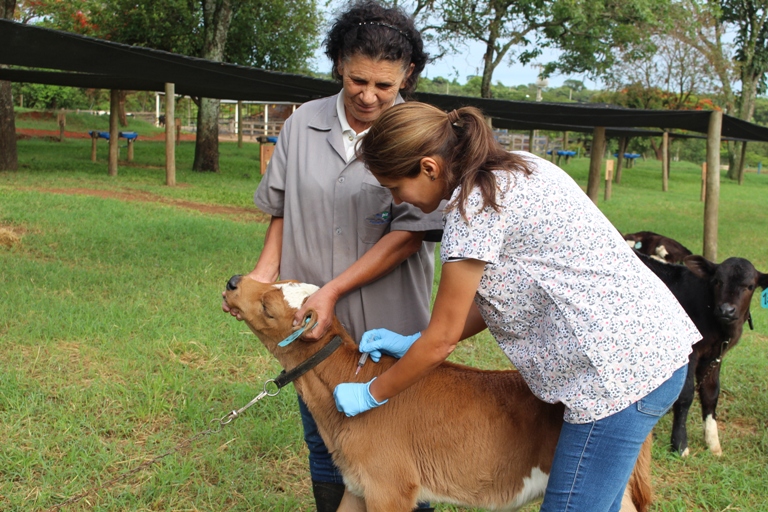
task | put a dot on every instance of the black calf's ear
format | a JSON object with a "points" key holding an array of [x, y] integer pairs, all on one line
{"points": [[700, 266], [762, 280]]}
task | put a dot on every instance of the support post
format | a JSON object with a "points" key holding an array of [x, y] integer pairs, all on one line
{"points": [[608, 178], [596, 162], [114, 100], [130, 150], [170, 135], [94, 138], [62, 119], [531, 138], [239, 121], [703, 182], [665, 162], [711, 202], [157, 109]]}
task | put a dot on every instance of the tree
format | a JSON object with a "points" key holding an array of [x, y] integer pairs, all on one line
{"points": [[585, 31], [750, 20], [248, 32], [257, 35], [673, 78], [217, 16], [8, 154], [703, 25]]}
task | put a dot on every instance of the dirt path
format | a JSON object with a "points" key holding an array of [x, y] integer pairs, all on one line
{"points": [[238, 212]]}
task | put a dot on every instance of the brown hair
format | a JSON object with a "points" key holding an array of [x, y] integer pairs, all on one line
{"points": [[372, 30], [406, 133]]}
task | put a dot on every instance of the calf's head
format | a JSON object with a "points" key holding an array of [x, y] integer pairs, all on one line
{"points": [[268, 308], [733, 283]]}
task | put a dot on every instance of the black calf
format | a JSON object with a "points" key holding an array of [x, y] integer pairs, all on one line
{"points": [[657, 246], [717, 298]]}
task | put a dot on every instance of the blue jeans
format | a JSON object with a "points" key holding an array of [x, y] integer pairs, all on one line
{"points": [[593, 461], [321, 466]]}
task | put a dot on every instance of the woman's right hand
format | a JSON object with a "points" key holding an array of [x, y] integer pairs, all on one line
{"points": [[378, 341]]}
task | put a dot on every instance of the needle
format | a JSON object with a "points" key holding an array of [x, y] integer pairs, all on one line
{"points": [[361, 362]]}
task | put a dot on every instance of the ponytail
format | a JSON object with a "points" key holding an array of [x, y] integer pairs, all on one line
{"points": [[461, 140]]}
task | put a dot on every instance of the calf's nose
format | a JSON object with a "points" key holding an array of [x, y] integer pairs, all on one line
{"points": [[727, 311], [232, 283]]}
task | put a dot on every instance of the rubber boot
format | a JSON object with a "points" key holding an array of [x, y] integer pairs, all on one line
{"points": [[327, 495]]}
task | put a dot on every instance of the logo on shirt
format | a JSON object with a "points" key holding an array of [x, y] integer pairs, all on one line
{"points": [[378, 219]]}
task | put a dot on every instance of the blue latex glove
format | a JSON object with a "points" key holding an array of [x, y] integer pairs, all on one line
{"points": [[378, 341], [353, 398]]}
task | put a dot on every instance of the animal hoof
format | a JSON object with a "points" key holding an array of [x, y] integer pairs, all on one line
{"points": [[685, 453]]}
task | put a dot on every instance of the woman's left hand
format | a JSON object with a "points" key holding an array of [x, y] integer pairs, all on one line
{"points": [[353, 398], [323, 302]]}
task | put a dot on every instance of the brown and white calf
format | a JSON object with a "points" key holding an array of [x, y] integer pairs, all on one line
{"points": [[717, 298], [460, 435]]}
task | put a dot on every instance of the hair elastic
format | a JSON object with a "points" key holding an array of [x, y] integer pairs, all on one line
{"points": [[387, 25], [453, 116]]}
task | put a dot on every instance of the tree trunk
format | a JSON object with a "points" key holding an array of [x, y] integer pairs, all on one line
{"points": [[122, 118], [485, 84], [8, 154], [207, 140], [656, 149], [746, 110], [217, 16], [731, 152]]}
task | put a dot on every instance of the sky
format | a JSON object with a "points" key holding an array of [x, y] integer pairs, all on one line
{"points": [[471, 63], [468, 63]]}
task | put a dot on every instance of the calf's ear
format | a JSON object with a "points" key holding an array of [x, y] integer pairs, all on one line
{"points": [[312, 315], [700, 266], [762, 280]]}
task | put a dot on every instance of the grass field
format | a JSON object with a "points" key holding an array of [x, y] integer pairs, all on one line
{"points": [[114, 349]]}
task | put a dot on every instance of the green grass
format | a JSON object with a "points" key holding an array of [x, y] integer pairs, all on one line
{"points": [[77, 122], [113, 346]]}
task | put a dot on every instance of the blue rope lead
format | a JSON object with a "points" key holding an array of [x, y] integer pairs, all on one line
{"points": [[295, 334]]}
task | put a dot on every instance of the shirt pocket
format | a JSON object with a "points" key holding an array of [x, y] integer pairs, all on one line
{"points": [[375, 206]]}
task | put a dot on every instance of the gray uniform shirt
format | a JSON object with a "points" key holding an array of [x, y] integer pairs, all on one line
{"points": [[333, 213]]}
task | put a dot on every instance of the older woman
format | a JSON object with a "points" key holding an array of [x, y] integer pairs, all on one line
{"points": [[332, 223]]}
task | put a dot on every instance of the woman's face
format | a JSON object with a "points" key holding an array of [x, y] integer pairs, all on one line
{"points": [[422, 191], [370, 87]]}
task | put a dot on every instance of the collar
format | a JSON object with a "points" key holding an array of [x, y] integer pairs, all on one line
{"points": [[314, 360]]}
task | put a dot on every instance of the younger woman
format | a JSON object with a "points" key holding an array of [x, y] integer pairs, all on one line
{"points": [[526, 254]]}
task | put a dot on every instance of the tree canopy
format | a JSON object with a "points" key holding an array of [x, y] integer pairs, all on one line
{"points": [[586, 32], [272, 34]]}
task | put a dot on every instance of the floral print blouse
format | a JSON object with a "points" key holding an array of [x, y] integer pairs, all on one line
{"points": [[578, 314]]}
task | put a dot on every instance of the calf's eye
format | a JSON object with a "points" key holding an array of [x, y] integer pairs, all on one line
{"points": [[265, 310]]}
